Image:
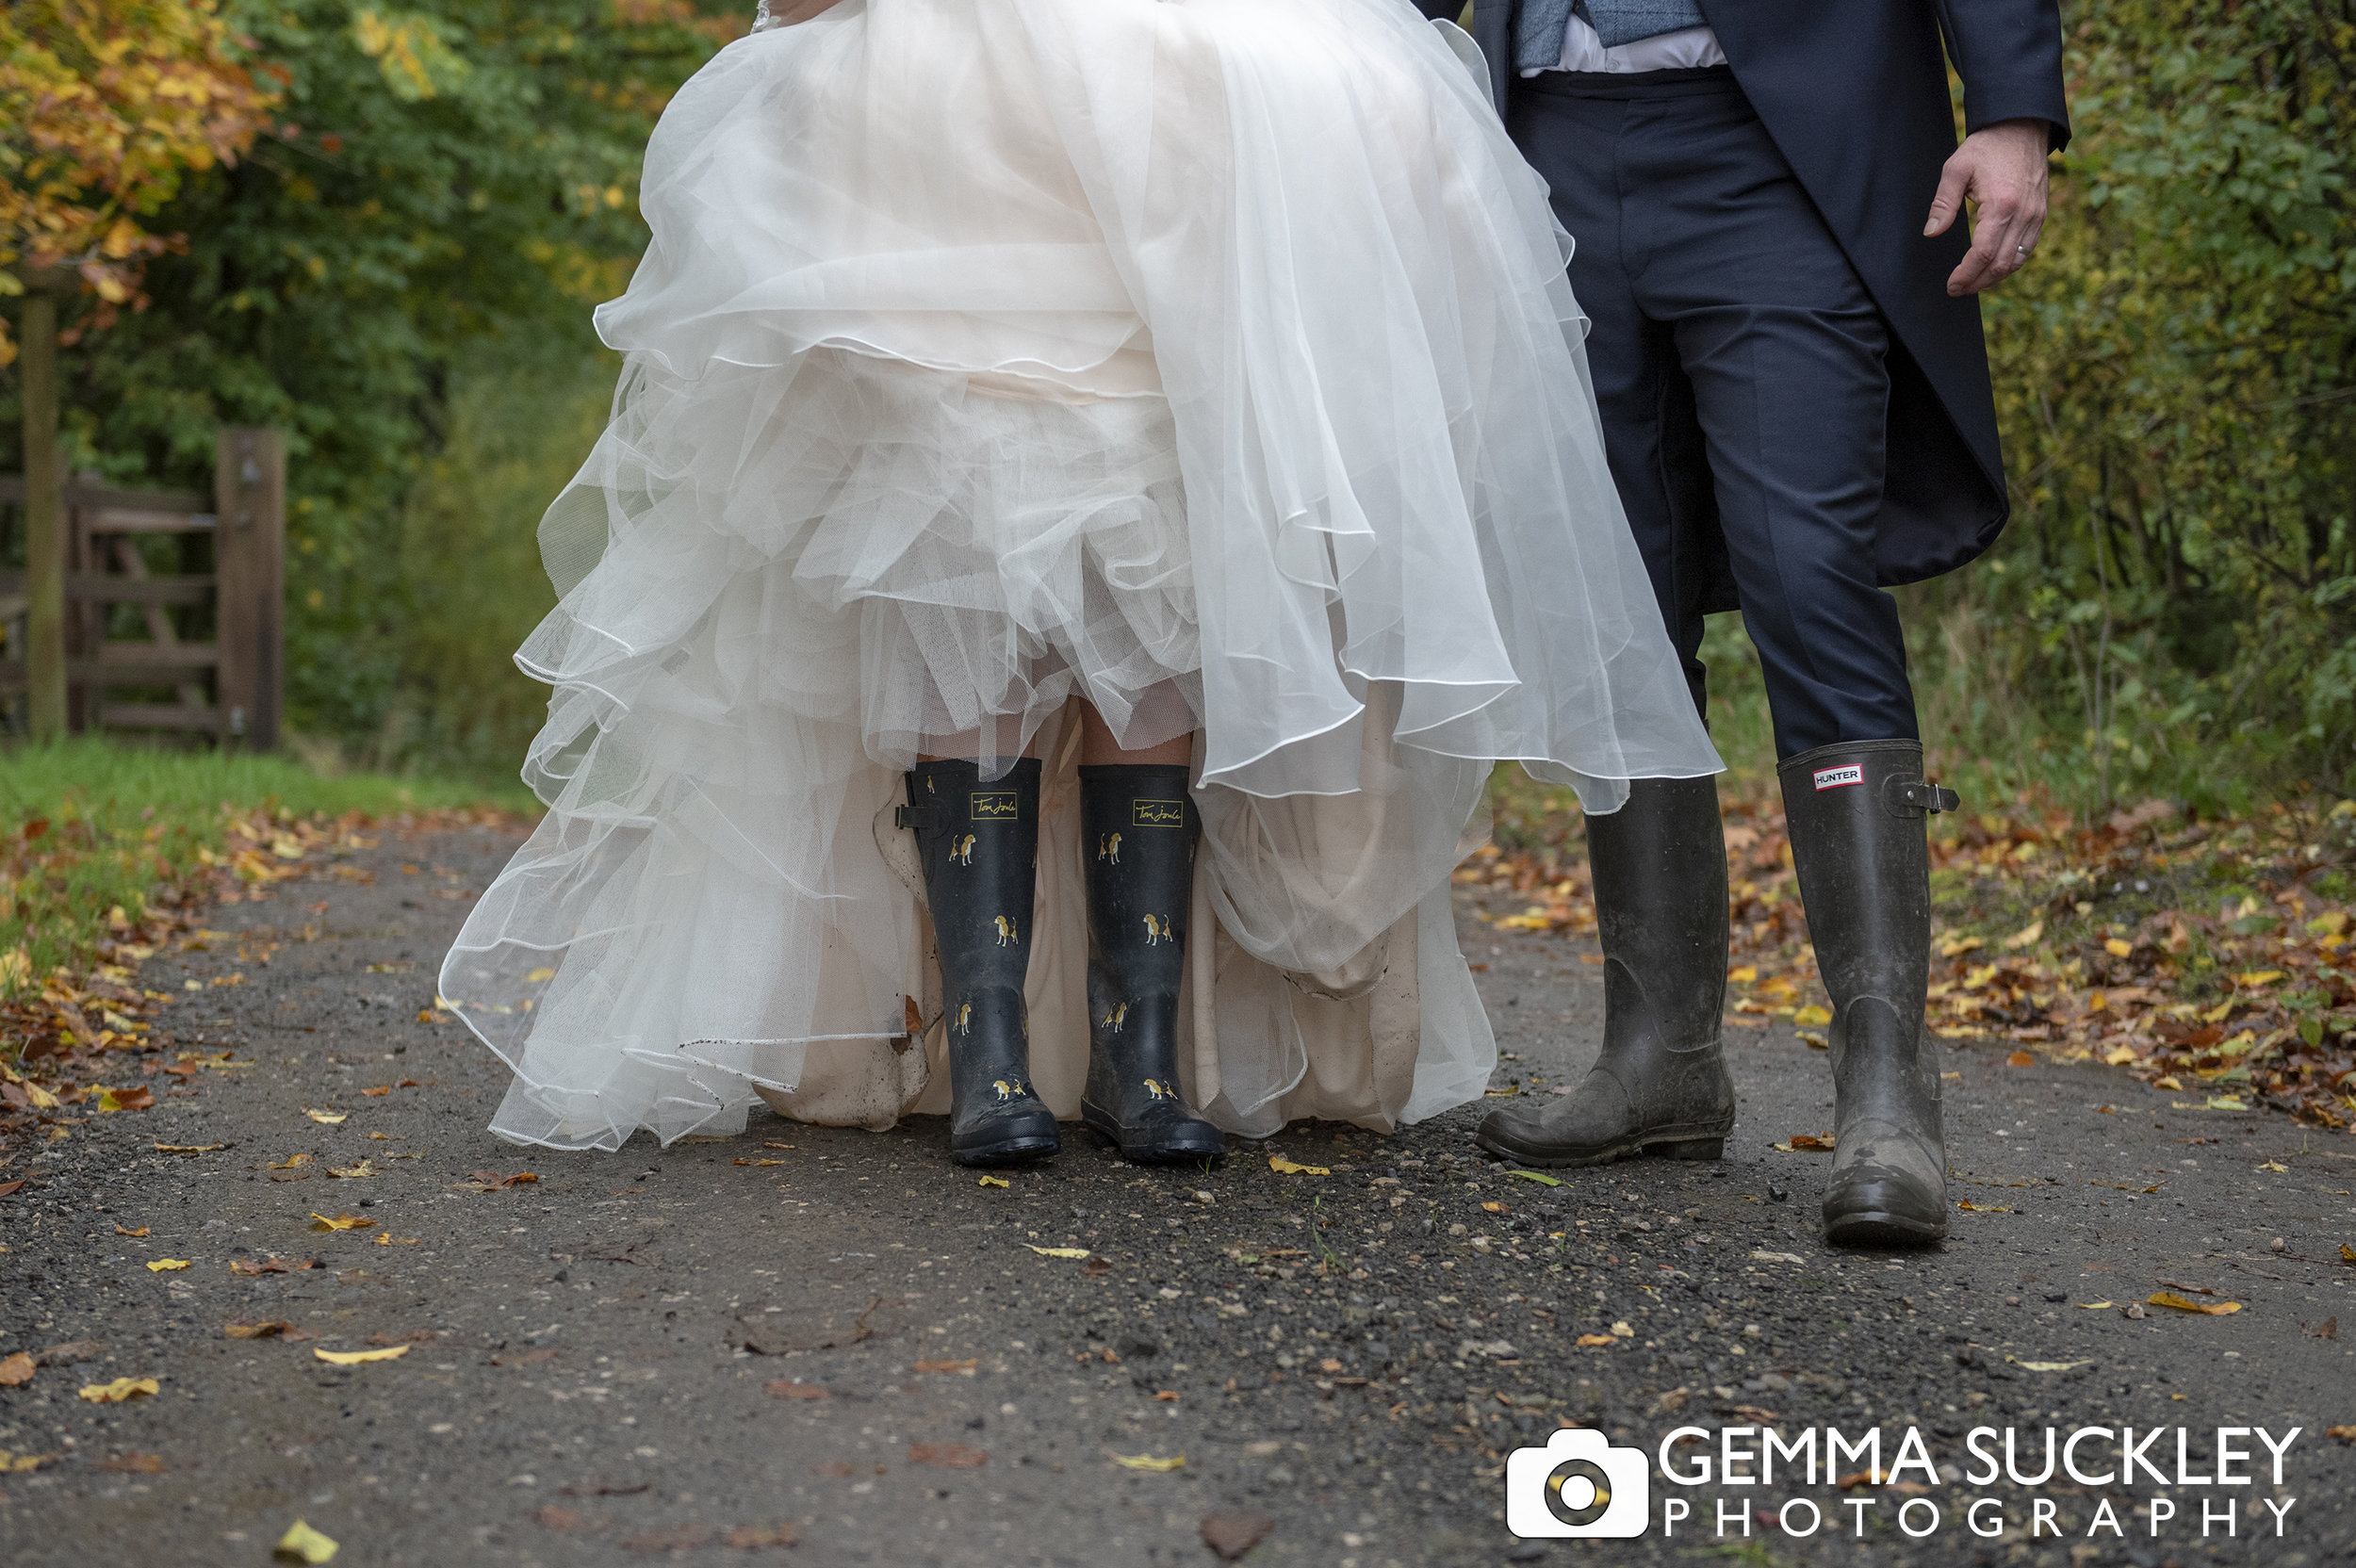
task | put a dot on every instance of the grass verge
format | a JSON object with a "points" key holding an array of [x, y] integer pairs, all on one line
{"points": [[102, 844]]}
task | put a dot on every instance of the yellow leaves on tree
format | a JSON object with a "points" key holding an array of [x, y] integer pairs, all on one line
{"points": [[105, 105]]}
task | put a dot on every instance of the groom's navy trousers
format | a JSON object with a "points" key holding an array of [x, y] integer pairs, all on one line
{"points": [[1744, 376]]}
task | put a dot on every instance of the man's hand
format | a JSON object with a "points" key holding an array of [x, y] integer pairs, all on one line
{"points": [[2001, 170]]}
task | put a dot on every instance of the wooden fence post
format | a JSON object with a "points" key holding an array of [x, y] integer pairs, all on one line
{"points": [[44, 521], [250, 562]]}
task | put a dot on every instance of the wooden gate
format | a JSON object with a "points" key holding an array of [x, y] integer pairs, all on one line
{"points": [[198, 649]]}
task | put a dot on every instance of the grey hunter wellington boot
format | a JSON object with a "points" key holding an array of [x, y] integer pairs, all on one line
{"points": [[979, 843], [1139, 830], [1659, 1086], [1856, 812]]}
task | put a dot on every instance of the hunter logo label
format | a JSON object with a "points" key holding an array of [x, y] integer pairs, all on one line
{"points": [[994, 806], [1157, 813], [1840, 778]]}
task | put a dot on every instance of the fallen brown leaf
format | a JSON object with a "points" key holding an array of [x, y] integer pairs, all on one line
{"points": [[948, 1456], [134, 1464], [1232, 1532], [18, 1185], [570, 1519], [786, 1390], [491, 1181], [16, 1370], [751, 1538], [964, 1366], [66, 1352], [123, 1230]]}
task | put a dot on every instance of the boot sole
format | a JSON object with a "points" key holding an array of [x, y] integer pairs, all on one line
{"points": [[1877, 1229], [1021, 1150], [1107, 1135], [1673, 1146]]}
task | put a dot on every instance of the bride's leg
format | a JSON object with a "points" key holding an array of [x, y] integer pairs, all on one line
{"points": [[1139, 830], [979, 844]]}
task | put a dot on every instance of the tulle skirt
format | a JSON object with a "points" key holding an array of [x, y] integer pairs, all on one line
{"points": [[1209, 363]]}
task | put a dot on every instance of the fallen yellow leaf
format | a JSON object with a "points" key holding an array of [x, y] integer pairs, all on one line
{"points": [[1982, 1208], [123, 1230], [2276, 1165], [2170, 1082], [994, 1182], [543, 973], [354, 1172], [2119, 1055], [1147, 1461], [2207, 1309], [341, 1222], [1534, 1176], [1059, 1251], [741, 1160], [2347, 1253], [326, 1119], [1284, 1166], [1743, 974], [301, 1544], [354, 1357], [167, 1265], [1593, 1342], [2117, 949], [1813, 1015], [2095, 1306], [1623, 1331], [2260, 978], [290, 1161], [119, 1390], [2026, 935], [2049, 1365], [267, 1329], [189, 1147]]}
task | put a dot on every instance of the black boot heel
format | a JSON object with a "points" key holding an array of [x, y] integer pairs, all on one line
{"points": [[979, 842], [1139, 830], [1689, 1148]]}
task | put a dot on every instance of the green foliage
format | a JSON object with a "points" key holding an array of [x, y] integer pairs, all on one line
{"points": [[469, 565], [2174, 610], [446, 182]]}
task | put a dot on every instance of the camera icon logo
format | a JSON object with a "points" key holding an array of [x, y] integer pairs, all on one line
{"points": [[1577, 1485]]}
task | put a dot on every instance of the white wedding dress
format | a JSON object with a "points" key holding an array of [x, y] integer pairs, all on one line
{"points": [[1209, 360]]}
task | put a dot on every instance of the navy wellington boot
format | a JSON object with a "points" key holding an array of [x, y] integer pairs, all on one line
{"points": [[979, 843], [1139, 831]]}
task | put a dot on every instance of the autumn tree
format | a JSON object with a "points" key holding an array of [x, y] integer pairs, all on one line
{"points": [[106, 108]]}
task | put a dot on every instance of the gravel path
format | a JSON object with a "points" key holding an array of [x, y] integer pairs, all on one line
{"points": [[840, 1341]]}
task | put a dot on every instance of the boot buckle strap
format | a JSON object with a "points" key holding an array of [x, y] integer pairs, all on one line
{"points": [[1905, 797]]}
